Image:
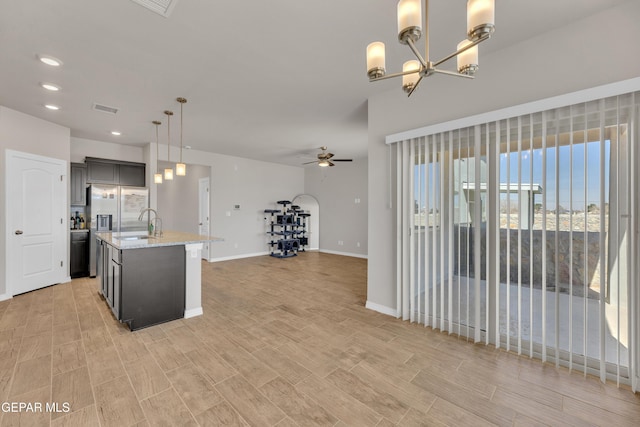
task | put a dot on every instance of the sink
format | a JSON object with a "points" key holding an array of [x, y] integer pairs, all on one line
{"points": [[134, 238]]}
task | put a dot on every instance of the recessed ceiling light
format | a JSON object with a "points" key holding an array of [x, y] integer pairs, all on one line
{"points": [[116, 133], [50, 86], [52, 107], [50, 60]]}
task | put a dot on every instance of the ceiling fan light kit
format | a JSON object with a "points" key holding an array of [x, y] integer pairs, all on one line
{"points": [[480, 27], [326, 159]]}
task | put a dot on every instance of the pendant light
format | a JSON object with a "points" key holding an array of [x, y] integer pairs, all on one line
{"points": [[157, 177], [168, 172], [181, 168]]}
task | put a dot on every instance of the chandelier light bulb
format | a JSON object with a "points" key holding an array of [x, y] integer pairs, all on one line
{"points": [[410, 80], [375, 60], [467, 60], [157, 178], [409, 20], [480, 18], [181, 169]]}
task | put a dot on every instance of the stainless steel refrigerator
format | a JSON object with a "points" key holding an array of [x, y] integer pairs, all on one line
{"points": [[114, 208]]}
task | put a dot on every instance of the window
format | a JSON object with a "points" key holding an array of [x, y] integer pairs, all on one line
{"points": [[521, 233]]}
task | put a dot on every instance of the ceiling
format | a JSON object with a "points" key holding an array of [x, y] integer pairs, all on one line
{"points": [[264, 80]]}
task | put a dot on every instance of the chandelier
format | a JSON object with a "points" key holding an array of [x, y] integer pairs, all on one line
{"points": [[480, 26]]}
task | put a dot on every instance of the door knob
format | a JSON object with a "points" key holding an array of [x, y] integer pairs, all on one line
{"points": [[18, 231]]}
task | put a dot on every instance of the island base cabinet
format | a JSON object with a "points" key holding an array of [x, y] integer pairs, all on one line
{"points": [[152, 285]]}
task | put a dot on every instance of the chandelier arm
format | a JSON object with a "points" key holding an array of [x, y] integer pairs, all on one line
{"points": [[416, 52], [452, 73], [415, 86], [389, 76], [459, 51]]}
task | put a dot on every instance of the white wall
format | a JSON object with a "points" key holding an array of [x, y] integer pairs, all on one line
{"points": [[341, 218], [580, 55], [28, 134], [178, 200], [255, 186], [81, 148]]}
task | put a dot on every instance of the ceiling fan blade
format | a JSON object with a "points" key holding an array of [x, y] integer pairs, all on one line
{"points": [[330, 163], [308, 163], [328, 155], [342, 160]]}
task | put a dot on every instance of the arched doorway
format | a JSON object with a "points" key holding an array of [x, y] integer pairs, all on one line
{"points": [[310, 205]]}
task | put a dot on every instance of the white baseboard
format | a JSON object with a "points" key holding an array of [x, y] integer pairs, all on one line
{"points": [[193, 312], [4, 297], [229, 258], [381, 309], [326, 251]]}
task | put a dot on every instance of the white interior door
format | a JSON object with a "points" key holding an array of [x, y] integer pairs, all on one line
{"points": [[36, 227], [203, 213]]}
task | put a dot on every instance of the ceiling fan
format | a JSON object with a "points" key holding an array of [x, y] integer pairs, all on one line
{"points": [[326, 159]]}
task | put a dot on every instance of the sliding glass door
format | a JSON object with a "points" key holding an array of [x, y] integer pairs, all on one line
{"points": [[521, 233]]}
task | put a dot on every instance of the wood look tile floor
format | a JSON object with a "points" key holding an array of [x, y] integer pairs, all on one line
{"points": [[281, 342]]}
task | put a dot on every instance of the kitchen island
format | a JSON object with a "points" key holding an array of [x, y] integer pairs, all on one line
{"points": [[147, 280]]}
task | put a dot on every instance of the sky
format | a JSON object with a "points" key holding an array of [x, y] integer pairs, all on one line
{"points": [[572, 161], [571, 173]]}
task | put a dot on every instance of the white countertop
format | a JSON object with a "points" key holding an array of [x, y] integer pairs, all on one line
{"points": [[83, 230], [125, 240]]}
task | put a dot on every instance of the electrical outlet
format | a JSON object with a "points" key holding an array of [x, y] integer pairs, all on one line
{"points": [[340, 243], [358, 244]]}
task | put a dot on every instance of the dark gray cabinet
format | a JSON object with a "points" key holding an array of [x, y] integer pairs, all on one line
{"points": [[105, 171], [143, 287], [79, 255], [132, 175], [78, 184], [102, 172]]}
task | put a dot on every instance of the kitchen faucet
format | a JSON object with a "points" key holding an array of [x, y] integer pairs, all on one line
{"points": [[156, 222]]}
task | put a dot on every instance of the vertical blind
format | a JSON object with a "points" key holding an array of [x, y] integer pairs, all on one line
{"points": [[523, 233]]}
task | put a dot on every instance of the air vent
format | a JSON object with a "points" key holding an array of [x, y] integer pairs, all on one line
{"points": [[105, 109], [161, 7]]}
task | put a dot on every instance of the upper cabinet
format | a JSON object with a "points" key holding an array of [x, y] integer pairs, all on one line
{"points": [[103, 171], [132, 175], [99, 172], [78, 184]]}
